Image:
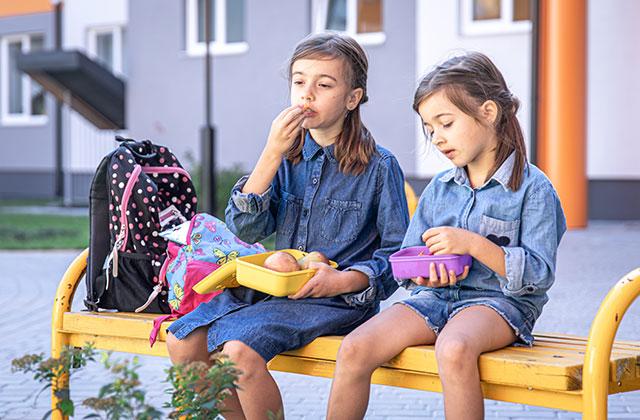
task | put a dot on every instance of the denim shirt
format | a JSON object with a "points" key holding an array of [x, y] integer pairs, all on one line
{"points": [[355, 220], [528, 224]]}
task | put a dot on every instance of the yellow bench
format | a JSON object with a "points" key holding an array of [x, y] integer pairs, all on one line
{"points": [[560, 371]]}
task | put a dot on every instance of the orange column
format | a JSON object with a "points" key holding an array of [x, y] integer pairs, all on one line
{"points": [[562, 138]]}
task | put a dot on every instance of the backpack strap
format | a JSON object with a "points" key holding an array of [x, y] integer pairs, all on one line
{"points": [[157, 323], [136, 147], [156, 291], [126, 195], [99, 235]]}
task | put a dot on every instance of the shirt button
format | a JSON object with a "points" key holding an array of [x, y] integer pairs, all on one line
{"points": [[305, 212], [301, 248], [315, 181]]}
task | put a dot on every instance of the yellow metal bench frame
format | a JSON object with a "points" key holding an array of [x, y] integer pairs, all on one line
{"points": [[560, 371]]}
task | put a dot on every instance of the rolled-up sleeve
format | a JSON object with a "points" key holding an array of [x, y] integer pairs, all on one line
{"points": [[391, 222], [251, 217], [530, 267]]}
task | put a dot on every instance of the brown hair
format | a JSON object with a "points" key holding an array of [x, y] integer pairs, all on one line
{"points": [[355, 144], [468, 81]]}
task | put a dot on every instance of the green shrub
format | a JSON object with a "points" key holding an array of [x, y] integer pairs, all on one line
{"points": [[123, 398], [225, 180], [199, 388], [55, 372]]}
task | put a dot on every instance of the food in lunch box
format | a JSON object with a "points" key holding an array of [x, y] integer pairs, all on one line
{"points": [[314, 256], [281, 261]]}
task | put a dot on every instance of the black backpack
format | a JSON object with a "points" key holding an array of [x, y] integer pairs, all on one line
{"points": [[139, 190]]}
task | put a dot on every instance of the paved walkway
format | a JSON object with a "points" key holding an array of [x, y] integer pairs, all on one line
{"points": [[590, 262]]}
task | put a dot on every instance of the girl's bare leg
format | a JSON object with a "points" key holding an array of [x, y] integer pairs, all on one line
{"points": [[257, 392], [373, 343], [469, 333], [193, 348]]}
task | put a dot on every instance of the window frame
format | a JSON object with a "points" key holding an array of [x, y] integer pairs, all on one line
{"points": [[321, 10], [196, 48], [504, 25], [25, 118], [92, 45]]}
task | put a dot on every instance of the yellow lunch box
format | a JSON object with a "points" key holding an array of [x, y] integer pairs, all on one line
{"points": [[248, 271]]}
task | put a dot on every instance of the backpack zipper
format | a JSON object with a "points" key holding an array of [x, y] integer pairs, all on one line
{"points": [[124, 227], [121, 241]]}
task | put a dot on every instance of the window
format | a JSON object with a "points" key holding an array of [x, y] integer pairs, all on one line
{"points": [[495, 16], [22, 100], [227, 27], [104, 45], [361, 19]]}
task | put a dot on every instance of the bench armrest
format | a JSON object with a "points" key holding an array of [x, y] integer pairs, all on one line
{"points": [[595, 385], [64, 296]]}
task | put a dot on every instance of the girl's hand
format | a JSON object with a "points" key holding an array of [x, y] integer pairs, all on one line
{"points": [[326, 282], [445, 279], [284, 130], [448, 240]]}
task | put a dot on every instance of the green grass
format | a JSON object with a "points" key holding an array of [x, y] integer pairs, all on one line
{"points": [[36, 231], [20, 202]]}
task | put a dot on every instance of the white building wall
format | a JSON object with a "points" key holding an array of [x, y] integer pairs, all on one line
{"points": [[438, 32], [87, 144], [81, 15], [613, 90]]}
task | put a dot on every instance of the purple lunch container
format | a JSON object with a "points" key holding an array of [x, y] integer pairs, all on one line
{"points": [[414, 262]]}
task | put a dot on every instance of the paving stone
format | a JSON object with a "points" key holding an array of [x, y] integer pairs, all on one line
{"points": [[569, 415], [620, 416], [405, 413], [403, 417], [534, 414]]}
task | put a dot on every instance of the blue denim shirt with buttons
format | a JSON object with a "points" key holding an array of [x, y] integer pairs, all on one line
{"points": [[355, 220], [528, 224]]}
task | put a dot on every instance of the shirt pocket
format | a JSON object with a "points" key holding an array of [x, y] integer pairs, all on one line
{"points": [[341, 220], [500, 232], [288, 213]]}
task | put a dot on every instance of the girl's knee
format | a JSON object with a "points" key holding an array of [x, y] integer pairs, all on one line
{"points": [[454, 353], [245, 359], [186, 350], [176, 349], [352, 354]]}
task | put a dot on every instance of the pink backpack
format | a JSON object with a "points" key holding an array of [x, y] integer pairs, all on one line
{"points": [[205, 244]]}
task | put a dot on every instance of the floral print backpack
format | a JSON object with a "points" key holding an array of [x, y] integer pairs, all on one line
{"points": [[207, 244]]}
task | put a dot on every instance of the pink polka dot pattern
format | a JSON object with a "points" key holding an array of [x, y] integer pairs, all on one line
{"points": [[142, 180]]}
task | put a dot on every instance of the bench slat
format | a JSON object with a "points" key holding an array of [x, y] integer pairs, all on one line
{"points": [[116, 324], [578, 339], [496, 367], [120, 344], [568, 400]]}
